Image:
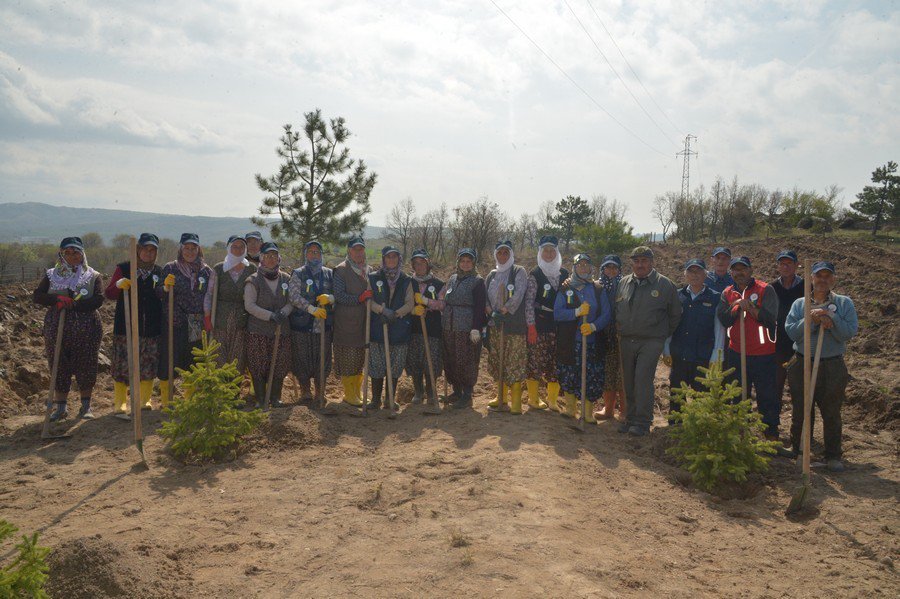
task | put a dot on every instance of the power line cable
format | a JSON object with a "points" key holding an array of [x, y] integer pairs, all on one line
{"points": [[619, 77], [575, 83]]}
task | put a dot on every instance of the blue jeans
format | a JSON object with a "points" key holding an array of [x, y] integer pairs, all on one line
{"points": [[761, 379]]}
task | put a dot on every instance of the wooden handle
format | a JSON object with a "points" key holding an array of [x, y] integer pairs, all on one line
{"points": [[132, 300], [807, 364]]}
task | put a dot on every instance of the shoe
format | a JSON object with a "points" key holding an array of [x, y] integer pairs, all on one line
{"points": [[120, 396], [636, 431], [464, 401], [84, 411], [553, 396], [145, 388], [61, 413], [623, 427], [534, 402], [123, 416], [834, 466], [571, 406]]}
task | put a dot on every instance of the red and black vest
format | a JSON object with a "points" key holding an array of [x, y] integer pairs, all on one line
{"points": [[760, 340]]}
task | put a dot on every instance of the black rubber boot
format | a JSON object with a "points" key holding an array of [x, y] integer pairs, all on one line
{"points": [[259, 390], [418, 389], [275, 398], [465, 399], [85, 411], [377, 387]]}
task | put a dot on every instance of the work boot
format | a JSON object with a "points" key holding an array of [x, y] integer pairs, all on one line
{"points": [[498, 404], [146, 390], [465, 400], [351, 392], [418, 388], [516, 403], [259, 390], [454, 396], [589, 412], [120, 397], [571, 406], [61, 413], [553, 396], [377, 388], [637, 431], [85, 410], [165, 394], [623, 427], [534, 402]]}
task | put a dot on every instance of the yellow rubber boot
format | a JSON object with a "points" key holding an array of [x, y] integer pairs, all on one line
{"points": [[351, 390], [120, 397], [516, 403], [146, 392], [534, 402], [165, 393], [552, 396], [589, 412], [499, 402], [571, 406]]}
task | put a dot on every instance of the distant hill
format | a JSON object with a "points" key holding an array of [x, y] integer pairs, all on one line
{"points": [[36, 222]]}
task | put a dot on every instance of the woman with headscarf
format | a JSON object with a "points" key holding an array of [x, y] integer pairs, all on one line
{"points": [[351, 291], [72, 285], [580, 296], [150, 322], [267, 301], [392, 302], [462, 321], [613, 389], [191, 279], [311, 291], [543, 283], [427, 287], [506, 286], [230, 326]]}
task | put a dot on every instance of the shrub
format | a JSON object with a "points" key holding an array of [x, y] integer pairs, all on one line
{"points": [[207, 421], [26, 574], [719, 438]]}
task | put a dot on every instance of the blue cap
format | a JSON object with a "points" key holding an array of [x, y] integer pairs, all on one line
{"points": [[269, 246], [695, 262], [721, 250], [253, 235], [506, 243], [786, 254], [189, 238], [420, 253], [740, 260], [148, 239], [234, 238], [466, 252], [355, 241], [612, 259], [389, 249], [308, 244], [549, 240], [823, 265], [72, 242], [582, 258]]}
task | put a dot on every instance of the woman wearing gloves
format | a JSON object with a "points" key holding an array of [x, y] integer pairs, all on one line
{"points": [[75, 287], [506, 286], [613, 389], [150, 322], [230, 326], [462, 320], [311, 292], [392, 302], [351, 292], [191, 279], [266, 300], [428, 288], [543, 284], [580, 296]]}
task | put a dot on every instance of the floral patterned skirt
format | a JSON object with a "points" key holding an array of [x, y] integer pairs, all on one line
{"points": [[614, 380], [570, 375], [461, 358], [259, 355], [348, 361], [79, 350], [542, 358], [515, 357], [305, 351], [416, 361], [378, 365], [149, 358], [232, 339]]}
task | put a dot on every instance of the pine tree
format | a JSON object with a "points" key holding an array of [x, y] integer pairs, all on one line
{"points": [[571, 212], [26, 574], [208, 422], [307, 194], [718, 437], [880, 203]]}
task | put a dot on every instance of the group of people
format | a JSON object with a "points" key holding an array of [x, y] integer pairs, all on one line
{"points": [[536, 326]]}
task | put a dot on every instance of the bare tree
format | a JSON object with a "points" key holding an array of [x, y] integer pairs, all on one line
{"points": [[477, 225], [717, 199], [401, 223], [772, 210], [429, 232], [664, 207]]}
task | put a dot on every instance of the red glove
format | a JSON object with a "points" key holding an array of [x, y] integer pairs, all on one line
{"points": [[532, 334], [365, 295], [207, 323], [64, 301]]}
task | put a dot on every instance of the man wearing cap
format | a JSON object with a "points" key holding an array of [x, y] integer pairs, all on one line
{"points": [[254, 243], [789, 288], [150, 323], [427, 295], [759, 304], [700, 336], [835, 317], [230, 326], [647, 313], [311, 290], [719, 277], [543, 284], [351, 291]]}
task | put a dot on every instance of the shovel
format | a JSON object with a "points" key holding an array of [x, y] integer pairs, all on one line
{"points": [[54, 371], [799, 497], [579, 423], [135, 355], [432, 406], [392, 413], [271, 377]]}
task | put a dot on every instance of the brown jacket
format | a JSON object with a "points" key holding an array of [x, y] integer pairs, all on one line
{"points": [[349, 314]]}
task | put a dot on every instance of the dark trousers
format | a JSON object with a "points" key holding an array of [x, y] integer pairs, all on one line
{"points": [[829, 393], [781, 357], [683, 371], [761, 380]]}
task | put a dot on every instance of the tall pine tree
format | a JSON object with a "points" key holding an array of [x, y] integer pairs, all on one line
{"points": [[319, 192], [880, 203], [571, 212]]}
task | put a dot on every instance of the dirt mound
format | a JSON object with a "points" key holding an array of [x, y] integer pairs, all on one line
{"points": [[295, 427], [93, 567]]}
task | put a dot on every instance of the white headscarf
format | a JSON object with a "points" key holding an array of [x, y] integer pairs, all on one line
{"points": [[509, 263], [231, 260], [550, 269]]}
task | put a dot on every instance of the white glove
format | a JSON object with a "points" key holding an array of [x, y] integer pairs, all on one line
{"points": [[475, 335]]}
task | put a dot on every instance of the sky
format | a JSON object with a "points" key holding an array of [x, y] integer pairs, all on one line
{"points": [[174, 106]]}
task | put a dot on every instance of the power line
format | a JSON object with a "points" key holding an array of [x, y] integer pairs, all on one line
{"points": [[619, 77], [630, 68], [575, 83]]}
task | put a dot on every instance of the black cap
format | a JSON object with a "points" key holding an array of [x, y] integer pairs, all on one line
{"points": [[549, 240], [253, 235], [389, 249], [823, 265], [355, 241], [695, 262], [740, 260], [269, 246], [420, 253], [786, 254], [148, 239], [313, 242], [506, 243], [234, 238], [721, 250], [72, 242], [612, 259], [466, 252], [581, 257], [189, 238]]}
